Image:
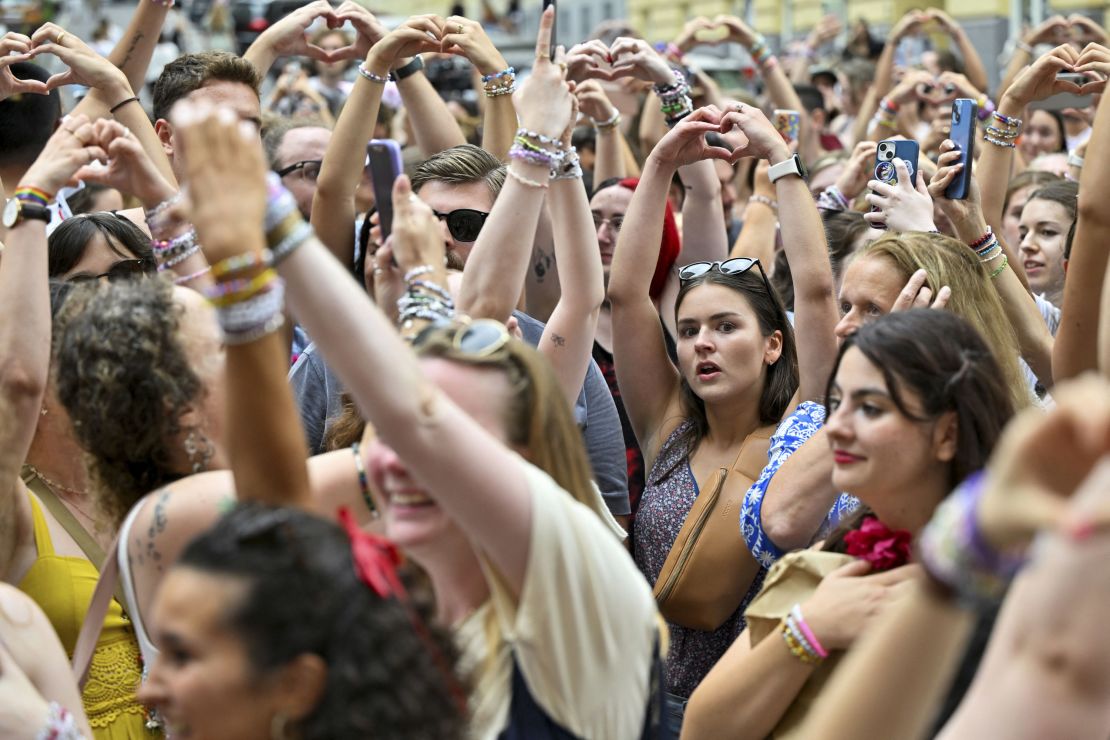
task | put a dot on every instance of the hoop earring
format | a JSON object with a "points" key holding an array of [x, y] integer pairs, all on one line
{"points": [[199, 450]]}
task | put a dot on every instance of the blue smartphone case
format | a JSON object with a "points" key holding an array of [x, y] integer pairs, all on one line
{"points": [[964, 114], [891, 149]]}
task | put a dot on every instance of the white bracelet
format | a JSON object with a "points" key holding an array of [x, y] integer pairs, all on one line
{"points": [[1074, 160]]}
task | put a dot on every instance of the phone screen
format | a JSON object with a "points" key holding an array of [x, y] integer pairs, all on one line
{"points": [[383, 160]]}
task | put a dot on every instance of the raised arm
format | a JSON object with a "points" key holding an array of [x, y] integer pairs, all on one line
{"points": [[1021, 310], [287, 38], [609, 141], [1053, 31], [467, 38], [1082, 333], [495, 271], [803, 238], [568, 337], [333, 206], [884, 70], [649, 382], [25, 333], [265, 442], [974, 70]]}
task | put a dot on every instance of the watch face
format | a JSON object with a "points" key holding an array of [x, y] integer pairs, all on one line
{"points": [[11, 213]]}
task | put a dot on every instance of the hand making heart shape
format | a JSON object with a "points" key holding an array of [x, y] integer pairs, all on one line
{"points": [[754, 134], [626, 58]]}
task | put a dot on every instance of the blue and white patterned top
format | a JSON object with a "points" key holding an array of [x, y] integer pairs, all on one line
{"points": [[794, 431]]}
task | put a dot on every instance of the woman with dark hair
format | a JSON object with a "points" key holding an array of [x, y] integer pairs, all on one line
{"points": [[916, 404], [268, 623], [738, 370], [100, 244]]}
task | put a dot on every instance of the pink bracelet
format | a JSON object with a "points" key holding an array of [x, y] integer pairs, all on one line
{"points": [[800, 621]]}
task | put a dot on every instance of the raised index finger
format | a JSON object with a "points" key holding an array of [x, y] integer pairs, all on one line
{"points": [[543, 38]]}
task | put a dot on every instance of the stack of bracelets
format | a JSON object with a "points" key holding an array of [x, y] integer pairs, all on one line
{"points": [[1003, 130], [500, 83], [249, 295], [800, 640], [761, 52], [955, 554], [423, 299], [886, 115], [674, 99], [535, 148], [988, 249], [171, 251]]}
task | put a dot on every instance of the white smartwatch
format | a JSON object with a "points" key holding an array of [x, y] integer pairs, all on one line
{"points": [[792, 166]]}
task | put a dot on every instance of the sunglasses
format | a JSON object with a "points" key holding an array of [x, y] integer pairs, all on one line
{"points": [[481, 338], [122, 270], [309, 169], [463, 223], [734, 266]]}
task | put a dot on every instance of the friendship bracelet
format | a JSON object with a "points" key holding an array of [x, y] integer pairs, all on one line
{"points": [[799, 620], [238, 263], [983, 239], [795, 646], [60, 724], [525, 181], [523, 133], [570, 168], [438, 290], [1007, 120], [227, 293], [1004, 144], [889, 106], [33, 194], [249, 314], [1023, 46], [297, 236], [178, 258], [192, 276], [117, 106], [1000, 268], [493, 92], [764, 200], [364, 483], [511, 71], [362, 70], [272, 324], [540, 158], [609, 123], [417, 272]]}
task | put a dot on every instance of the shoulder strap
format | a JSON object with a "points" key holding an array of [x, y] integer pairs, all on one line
{"points": [[94, 617], [65, 517], [752, 458]]}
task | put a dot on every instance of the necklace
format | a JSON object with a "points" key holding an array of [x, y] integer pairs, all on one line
{"points": [[59, 488]]}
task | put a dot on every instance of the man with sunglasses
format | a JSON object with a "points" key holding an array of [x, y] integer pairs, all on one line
{"points": [[295, 149], [460, 184]]}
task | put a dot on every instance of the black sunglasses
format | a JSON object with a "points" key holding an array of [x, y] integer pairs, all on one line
{"points": [[464, 223], [311, 169], [734, 266], [122, 270]]}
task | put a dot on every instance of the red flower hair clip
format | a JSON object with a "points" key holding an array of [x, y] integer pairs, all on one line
{"points": [[879, 545], [376, 559]]}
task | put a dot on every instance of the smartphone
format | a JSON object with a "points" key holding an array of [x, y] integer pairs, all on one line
{"points": [[789, 124], [889, 150], [965, 113], [1076, 78], [383, 160], [554, 25]]}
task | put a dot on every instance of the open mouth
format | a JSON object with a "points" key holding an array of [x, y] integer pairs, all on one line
{"points": [[708, 370], [410, 499], [1032, 265]]}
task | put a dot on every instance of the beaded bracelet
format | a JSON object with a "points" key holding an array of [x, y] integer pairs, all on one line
{"points": [[191, 276], [247, 314], [229, 292], [570, 168], [178, 258], [797, 649], [431, 288], [300, 234], [978, 243], [998, 142], [510, 72], [417, 271], [238, 263], [889, 106], [364, 483], [610, 123], [525, 134], [153, 214], [764, 200], [376, 78], [955, 553], [999, 133], [1000, 268], [1005, 120], [271, 325], [531, 156], [525, 180], [811, 638], [60, 724]]}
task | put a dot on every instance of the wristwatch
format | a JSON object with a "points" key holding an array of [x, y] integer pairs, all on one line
{"points": [[792, 166], [414, 66], [17, 210]]}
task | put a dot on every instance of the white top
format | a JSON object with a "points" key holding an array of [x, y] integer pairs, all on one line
{"points": [[583, 630]]}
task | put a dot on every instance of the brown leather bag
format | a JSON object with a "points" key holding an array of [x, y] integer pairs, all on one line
{"points": [[710, 568]]}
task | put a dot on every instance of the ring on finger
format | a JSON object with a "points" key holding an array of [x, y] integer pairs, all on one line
{"points": [[459, 28], [61, 36]]}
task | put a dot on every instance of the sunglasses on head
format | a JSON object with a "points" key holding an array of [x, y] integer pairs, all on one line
{"points": [[463, 223], [122, 270], [481, 338], [734, 266]]}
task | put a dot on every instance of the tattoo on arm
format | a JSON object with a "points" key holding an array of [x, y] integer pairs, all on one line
{"points": [[157, 526], [559, 341], [131, 49]]}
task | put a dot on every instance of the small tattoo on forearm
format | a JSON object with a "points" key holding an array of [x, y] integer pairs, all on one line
{"points": [[131, 49], [559, 341]]}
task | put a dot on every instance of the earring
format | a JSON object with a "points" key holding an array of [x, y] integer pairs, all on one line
{"points": [[279, 723], [198, 449]]}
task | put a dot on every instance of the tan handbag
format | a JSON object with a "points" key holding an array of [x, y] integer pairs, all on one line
{"points": [[710, 568]]}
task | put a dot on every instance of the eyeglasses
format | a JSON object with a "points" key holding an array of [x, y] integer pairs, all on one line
{"points": [[464, 223], [122, 270], [734, 266], [478, 339], [615, 223], [309, 168]]}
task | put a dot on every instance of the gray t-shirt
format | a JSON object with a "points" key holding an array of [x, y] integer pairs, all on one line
{"points": [[319, 400]]}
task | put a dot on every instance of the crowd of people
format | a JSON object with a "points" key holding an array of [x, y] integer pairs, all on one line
{"points": [[627, 407]]}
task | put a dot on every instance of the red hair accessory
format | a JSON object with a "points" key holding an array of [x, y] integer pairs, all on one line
{"points": [[669, 246], [879, 545]]}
